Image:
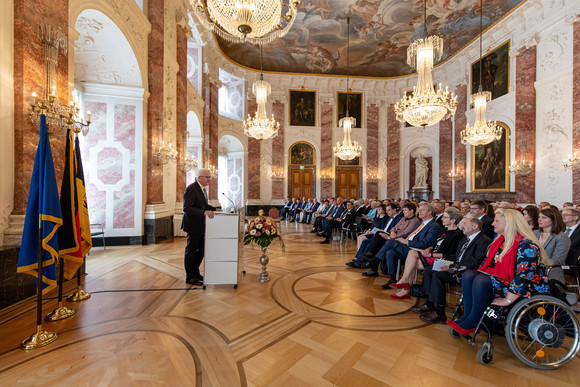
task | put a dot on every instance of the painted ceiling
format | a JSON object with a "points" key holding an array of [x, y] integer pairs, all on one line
{"points": [[380, 33]]}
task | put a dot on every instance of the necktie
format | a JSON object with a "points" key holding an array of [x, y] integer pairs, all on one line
{"points": [[205, 193], [463, 248], [568, 231], [410, 237]]}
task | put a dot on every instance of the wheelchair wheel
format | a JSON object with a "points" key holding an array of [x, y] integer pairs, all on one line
{"points": [[454, 333], [484, 356], [543, 332]]}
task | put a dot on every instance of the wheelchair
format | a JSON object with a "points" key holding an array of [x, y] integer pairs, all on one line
{"points": [[542, 331]]}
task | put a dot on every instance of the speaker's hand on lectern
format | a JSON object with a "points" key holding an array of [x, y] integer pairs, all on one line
{"points": [[209, 214]]}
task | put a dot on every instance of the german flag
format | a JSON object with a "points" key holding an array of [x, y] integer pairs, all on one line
{"points": [[72, 239]]}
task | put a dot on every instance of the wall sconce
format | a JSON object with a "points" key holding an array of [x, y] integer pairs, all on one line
{"points": [[165, 154], [187, 163], [278, 174], [327, 174], [522, 168], [455, 174], [572, 162], [213, 171], [373, 176]]}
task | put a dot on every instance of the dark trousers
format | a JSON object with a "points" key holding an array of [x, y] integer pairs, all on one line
{"points": [[376, 244], [434, 286], [331, 226], [318, 223], [477, 295], [194, 254], [283, 213]]}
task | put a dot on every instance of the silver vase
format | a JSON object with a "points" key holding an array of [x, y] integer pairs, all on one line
{"points": [[264, 277]]}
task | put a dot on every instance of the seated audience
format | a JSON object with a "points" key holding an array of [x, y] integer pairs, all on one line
{"points": [[379, 222], [513, 257], [470, 254], [571, 218], [346, 218], [438, 207], [479, 210], [531, 214], [543, 205], [464, 206], [308, 213], [286, 208], [321, 215], [554, 240], [445, 247]]}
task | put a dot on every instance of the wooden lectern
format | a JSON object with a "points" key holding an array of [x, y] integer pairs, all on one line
{"points": [[221, 250]]}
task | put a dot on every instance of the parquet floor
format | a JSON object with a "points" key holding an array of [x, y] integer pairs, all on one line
{"points": [[316, 323]]}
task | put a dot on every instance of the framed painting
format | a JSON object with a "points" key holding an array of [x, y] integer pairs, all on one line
{"points": [[354, 107], [302, 153], [490, 164], [348, 163], [302, 108], [495, 74]]}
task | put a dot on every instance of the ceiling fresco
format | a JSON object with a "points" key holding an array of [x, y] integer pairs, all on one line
{"points": [[380, 33]]}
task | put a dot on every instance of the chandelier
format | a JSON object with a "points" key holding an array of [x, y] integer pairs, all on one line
{"points": [[522, 168], [572, 162], [187, 163], [455, 174], [425, 106], [347, 150], [260, 126], [482, 132], [252, 21]]}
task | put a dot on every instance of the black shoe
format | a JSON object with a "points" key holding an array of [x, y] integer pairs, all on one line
{"points": [[325, 241], [422, 309], [199, 277], [194, 281], [388, 284], [351, 264], [365, 264], [370, 273], [314, 230], [433, 318]]}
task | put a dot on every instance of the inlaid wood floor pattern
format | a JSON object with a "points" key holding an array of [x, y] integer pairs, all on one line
{"points": [[316, 323]]}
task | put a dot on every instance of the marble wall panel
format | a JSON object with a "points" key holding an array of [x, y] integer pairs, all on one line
{"points": [[193, 66], [156, 98], [253, 160], [278, 144], [213, 135], [372, 148], [124, 204], [576, 109], [393, 154], [235, 185], [460, 151], [109, 166], [125, 127], [445, 158], [326, 122], [526, 120], [181, 109]]}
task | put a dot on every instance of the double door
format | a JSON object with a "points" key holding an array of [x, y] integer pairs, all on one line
{"points": [[302, 183], [348, 183]]}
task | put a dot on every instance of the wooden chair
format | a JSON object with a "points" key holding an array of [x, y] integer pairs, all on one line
{"points": [[275, 215], [96, 227]]}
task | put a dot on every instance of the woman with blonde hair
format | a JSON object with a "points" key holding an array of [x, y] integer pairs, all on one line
{"points": [[510, 271]]}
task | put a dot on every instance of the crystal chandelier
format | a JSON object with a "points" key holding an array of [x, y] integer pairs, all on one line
{"points": [[425, 106], [572, 162], [187, 163], [261, 127], [347, 150], [252, 21], [522, 168], [482, 132], [455, 174]]}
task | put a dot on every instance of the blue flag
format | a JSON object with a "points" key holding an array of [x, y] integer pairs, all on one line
{"points": [[43, 205]]}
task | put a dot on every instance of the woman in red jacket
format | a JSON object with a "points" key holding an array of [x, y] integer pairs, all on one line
{"points": [[510, 271]]}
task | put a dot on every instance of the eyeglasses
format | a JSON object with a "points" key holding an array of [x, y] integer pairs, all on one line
{"points": [[205, 177]]}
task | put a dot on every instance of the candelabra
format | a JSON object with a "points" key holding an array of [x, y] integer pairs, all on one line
{"points": [[572, 162], [373, 176], [455, 174], [522, 168], [187, 163], [213, 171], [75, 123], [327, 174], [165, 154], [278, 174]]}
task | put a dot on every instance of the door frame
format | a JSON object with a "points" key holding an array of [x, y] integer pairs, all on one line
{"points": [[298, 167]]}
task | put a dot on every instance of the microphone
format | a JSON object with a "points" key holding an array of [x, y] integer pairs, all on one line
{"points": [[231, 201]]}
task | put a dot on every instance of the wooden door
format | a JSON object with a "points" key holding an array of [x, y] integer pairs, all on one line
{"points": [[348, 184], [302, 183]]}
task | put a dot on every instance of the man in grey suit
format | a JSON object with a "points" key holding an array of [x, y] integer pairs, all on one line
{"points": [[195, 209]]}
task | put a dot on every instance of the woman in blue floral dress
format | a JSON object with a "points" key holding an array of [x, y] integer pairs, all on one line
{"points": [[510, 271]]}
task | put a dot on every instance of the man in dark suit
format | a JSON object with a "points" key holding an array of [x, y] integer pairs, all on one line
{"points": [[286, 208], [571, 218], [471, 252], [478, 209], [311, 210], [397, 249], [347, 217], [320, 216], [195, 209], [439, 209]]}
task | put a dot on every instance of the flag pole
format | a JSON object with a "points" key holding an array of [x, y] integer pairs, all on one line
{"points": [[41, 337], [61, 312], [79, 294]]}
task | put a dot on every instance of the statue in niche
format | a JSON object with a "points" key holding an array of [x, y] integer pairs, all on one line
{"points": [[421, 172]]}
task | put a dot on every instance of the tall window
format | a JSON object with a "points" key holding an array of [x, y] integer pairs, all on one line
{"points": [[231, 96]]}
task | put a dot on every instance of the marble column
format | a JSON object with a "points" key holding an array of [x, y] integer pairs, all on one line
{"points": [[460, 151], [253, 160], [326, 148], [28, 78], [393, 154], [213, 136], [576, 110], [526, 120], [278, 150], [156, 99], [445, 158], [372, 148], [181, 99]]}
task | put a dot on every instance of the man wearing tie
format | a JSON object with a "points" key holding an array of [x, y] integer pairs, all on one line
{"points": [[471, 252], [346, 218], [195, 209]]}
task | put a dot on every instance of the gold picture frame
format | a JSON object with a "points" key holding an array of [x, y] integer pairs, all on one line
{"points": [[302, 109], [490, 164], [348, 163], [302, 153], [496, 71], [355, 108]]}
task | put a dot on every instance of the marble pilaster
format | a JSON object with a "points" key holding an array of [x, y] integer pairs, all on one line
{"points": [[393, 154], [253, 160], [213, 136], [445, 158], [181, 117], [460, 151], [526, 120], [326, 121], [372, 148], [576, 110], [156, 99], [278, 109]]}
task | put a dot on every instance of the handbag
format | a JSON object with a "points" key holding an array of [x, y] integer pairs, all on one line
{"points": [[416, 290]]}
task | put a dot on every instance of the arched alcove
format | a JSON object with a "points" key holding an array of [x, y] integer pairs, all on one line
{"points": [[230, 171], [194, 144]]}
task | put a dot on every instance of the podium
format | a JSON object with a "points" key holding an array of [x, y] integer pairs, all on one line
{"points": [[221, 250]]}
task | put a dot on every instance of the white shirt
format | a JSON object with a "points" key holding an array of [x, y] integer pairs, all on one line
{"points": [[572, 228], [203, 190]]}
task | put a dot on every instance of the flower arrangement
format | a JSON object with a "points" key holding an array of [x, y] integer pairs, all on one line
{"points": [[262, 231]]}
